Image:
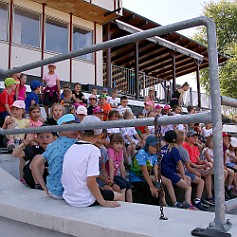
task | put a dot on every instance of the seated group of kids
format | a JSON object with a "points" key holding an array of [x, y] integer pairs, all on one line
{"points": [[114, 160]]}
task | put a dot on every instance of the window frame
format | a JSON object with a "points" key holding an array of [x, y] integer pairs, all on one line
{"points": [[6, 5]]}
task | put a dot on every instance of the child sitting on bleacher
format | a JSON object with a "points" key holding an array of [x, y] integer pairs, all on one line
{"points": [[57, 111], [115, 163], [32, 97], [35, 116], [171, 161], [22, 87], [7, 98], [113, 100], [17, 120]]}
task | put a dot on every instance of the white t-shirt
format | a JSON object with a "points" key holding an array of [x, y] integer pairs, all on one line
{"points": [[122, 109], [207, 132], [80, 161], [130, 131], [113, 130], [113, 102], [180, 127]]}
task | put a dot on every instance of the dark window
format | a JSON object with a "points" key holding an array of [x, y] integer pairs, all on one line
{"points": [[56, 36], [26, 28], [82, 39], [3, 22]]}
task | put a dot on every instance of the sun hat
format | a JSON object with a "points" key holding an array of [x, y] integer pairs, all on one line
{"points": [[19, 104], [233, 141], [81, 110], [35, 84], [103, 96], [92, 97], [91, 119], [67, 118], [152, 88], [52, 64], [151, 140], [10, 81], [225, 134], [158, 107], [192, 133], [170, 136], [166, 107], [98, 110]]}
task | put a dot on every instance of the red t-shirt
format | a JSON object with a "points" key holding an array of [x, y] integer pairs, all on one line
{"points": [[193, 152], [106, 109], [6, 98]]}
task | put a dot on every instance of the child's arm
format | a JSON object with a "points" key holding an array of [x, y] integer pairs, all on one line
{"points": [[156, 172], [93, 187], [17, 92], [208, 156], [181, 170], [7, 108], [129, 139], [233, 157], [111, 168], [191, 170], [137, 137], [147, 177], [59, 87], [122, 169]]}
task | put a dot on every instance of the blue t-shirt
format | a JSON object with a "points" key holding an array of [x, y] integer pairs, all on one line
{"points": [[54, 154], [31, 96], [169, 160], [142, 158]]}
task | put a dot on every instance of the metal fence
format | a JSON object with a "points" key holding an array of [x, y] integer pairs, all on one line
{"points": [[123, 80], [219, 220]]}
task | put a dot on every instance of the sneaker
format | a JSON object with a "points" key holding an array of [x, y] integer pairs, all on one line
{"points": [[184, 205], [204, 204], [199, 206], [10, 145], [210, 201], [231, 194]]}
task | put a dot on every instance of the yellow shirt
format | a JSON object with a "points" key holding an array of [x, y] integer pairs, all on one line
{"points": [[21, 123]]}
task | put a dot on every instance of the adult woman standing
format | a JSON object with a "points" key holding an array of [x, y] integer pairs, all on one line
{"points": [[177, 96]]}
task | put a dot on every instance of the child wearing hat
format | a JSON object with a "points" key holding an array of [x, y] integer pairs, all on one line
{"points": [[7, 98], [171, 160], [104, 105], [32, 97], [16, 120]]}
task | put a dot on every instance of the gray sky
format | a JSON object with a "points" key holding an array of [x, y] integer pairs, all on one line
{"points": [[169, 11]]}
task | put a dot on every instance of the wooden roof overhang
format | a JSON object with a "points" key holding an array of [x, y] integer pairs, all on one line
{"points": [[154, 59], [82, 9]]}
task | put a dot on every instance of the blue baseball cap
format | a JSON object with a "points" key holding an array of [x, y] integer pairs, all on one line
{"points": [[67, 118], [35, 84], [151, 140]]}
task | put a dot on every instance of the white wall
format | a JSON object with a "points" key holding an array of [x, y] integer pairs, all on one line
{"points": [[3, 55]]}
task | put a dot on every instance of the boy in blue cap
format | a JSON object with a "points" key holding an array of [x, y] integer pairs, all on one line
{"points": [[32, 97]]}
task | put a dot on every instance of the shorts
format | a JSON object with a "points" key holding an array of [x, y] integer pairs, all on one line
{"points": [[108, 195], [173, 177], [122, 183], [230, 165], [192, 176], [49, 101]]}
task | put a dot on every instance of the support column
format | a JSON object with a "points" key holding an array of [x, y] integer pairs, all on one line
{"points": [[173, 71], [95, 53], [42, 36], [70, 46], [198, 83], [108, 58], [10, 33], [137, 89]]}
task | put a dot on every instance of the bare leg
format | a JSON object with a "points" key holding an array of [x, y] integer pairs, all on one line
{"points": [[168, 184], [188, 189], [208, 185], [200, 186], [129, 196]]}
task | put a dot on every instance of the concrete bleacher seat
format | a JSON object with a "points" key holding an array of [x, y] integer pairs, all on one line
{"points": [[26, 212]]}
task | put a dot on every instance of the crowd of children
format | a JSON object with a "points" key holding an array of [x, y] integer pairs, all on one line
{"points": [[91, 167]]}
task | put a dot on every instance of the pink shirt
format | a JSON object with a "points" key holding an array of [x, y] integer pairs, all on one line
{"points": [[35, 123], [51, 79], [22, 92], [117, 159]]}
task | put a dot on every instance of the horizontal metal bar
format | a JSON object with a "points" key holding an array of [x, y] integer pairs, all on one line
{"points": [[231, 204], [113, 43], [195, 118], [228, 101], [163, 42]]}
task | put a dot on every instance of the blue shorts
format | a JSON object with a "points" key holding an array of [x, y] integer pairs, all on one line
{"points": [[121, 182], [172, 176], [192, 176], [230, 164]]}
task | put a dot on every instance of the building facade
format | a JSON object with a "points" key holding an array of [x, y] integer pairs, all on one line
{"points": [[39, 29]]}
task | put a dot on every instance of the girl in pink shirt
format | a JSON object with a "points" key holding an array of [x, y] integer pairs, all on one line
{"points": [[35, 116], [52, 88], [22, 87], [115, 163]]}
